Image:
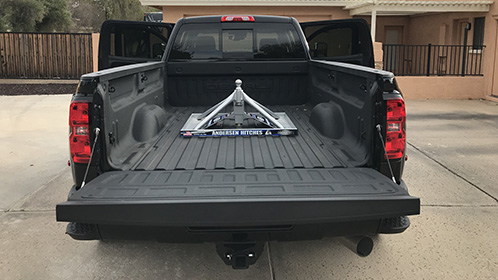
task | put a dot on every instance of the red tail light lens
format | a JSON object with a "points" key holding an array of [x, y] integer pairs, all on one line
{"points": [[79, 138], [396, 130], [237, 18]]}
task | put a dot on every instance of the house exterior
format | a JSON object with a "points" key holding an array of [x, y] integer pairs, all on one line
{"points": [[405, 28]]}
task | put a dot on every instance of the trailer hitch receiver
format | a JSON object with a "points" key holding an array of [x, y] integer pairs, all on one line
{"points": [[240, 254]]}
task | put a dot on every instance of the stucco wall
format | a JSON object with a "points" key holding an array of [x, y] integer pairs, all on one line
{"points": [[441, 87], [491, 61], [442, 28], [95, 51], [173, 13], [390, 21], [378, 55]]}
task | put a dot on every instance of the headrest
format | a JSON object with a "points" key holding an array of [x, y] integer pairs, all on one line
{"points": [[267, 42], [205, 43]]}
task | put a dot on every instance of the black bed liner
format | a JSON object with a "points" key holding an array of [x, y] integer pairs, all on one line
{"points": [[237, 197], [308, 149], [239, 182]]}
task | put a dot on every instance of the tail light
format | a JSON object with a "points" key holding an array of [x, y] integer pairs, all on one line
{"points": [[79, 138], [396, 130]]}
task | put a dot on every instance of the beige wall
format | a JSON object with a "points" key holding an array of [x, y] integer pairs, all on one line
{"points": [[173, 13], [443, 28], [441, 87], [426, 29], [95, 51], [491, 61], [391, 21], [378, 55]]}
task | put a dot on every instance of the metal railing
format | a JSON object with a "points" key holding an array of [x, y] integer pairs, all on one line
{"points": [[433, 60]]}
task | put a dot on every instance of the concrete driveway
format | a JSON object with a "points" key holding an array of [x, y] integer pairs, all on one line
{"points": [[452, 167]]}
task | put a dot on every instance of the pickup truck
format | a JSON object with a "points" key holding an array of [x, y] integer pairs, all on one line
{"points": [[137, 176]]}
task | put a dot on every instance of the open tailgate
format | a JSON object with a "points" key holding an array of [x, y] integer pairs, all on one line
{"points": [[237, 197]]}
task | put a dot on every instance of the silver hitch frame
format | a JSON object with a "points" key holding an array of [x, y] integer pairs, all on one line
{"points": [[211, 122]]}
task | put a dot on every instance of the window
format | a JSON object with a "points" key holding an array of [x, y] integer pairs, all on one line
{"points": [[197, 41], [478, 38], [347, 42], [237, 43], [334, 42], [138, 43], [277, 41], [254, 42]]}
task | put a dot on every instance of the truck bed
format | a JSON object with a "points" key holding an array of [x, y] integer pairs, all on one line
{"points": [[248, 183], [308, 149]]}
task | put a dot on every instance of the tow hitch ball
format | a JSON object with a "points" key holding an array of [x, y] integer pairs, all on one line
{"points": [[240, 255]]}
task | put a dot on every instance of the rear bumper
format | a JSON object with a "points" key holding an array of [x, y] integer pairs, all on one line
{"points": [[136, 198], [219, 234]]}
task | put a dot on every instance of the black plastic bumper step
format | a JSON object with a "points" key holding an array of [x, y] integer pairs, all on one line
{"points": [[83, 231], [394, 225]]}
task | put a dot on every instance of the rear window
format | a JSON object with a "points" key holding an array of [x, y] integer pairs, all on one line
{"points": [[254, 42]]}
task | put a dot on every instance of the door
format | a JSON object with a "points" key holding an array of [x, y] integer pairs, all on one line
{"points": [[345, 40], [394, 35], [393, 60], [129, 42]]}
